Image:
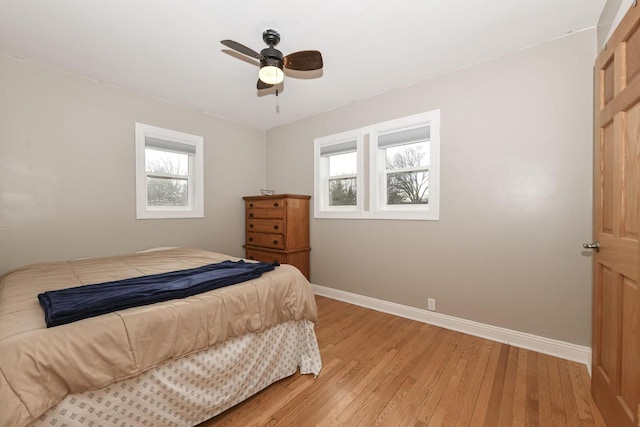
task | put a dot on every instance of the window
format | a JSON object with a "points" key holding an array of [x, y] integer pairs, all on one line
{"points": [[405, 167], [169, 173], [402, 180], [338, 178]]}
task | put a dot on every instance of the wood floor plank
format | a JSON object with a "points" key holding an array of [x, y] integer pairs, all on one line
{"points": [[440, 360], [441, 409], [495, 400], [420, 352], [508, 391], [484, 401], [382, 370], [390, 409], [559, 417], [520, 393], [345, 409], [570, 403], [467, 387], [544, 396], [532, 408], [473, 385], [372, 404], [451, 373]]}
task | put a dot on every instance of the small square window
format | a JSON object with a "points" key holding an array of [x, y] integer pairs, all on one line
{"points": [[405, 167], [169, 171]]}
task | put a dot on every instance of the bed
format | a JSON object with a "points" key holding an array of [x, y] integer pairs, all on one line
{"points": [[177, 363]]}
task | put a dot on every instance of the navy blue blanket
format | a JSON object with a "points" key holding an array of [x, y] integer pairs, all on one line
{"points": [[71, 304]]}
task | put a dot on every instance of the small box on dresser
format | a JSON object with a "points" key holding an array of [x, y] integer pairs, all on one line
{"points": [[277, 229]]}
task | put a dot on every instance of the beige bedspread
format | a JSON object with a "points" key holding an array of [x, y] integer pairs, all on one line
{"points": [[39, 366]]}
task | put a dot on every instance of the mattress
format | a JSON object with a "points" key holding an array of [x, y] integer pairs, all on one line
{"points": [[40, 366]]}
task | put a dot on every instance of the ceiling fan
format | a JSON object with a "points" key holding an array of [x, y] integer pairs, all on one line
{"points": [[272, 62]]}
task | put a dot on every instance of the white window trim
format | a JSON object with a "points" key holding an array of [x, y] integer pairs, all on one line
{"points": [[196, 181], [377, 165], [322, 209], [371, 184]]}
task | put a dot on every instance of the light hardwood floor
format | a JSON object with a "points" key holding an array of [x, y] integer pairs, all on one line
{"points": [[379, 369]]}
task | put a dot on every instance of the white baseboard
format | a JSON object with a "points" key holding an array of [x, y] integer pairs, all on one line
{"points": [[561, 349]]}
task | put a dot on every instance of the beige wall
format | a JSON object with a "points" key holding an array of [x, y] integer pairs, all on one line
{"points": [[516, 156], [67, 186]]}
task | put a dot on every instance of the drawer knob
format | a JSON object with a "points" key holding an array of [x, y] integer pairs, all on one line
{"points": [[250, 205], [250, 225], [275, 242], [251, 239], [251, 215], [275, 205], [275, 227]]}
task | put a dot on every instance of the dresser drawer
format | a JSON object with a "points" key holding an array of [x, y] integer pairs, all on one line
{"points": [[275, 241], [273, 208], [265, 256], [265, 204], [265, 213], [274, 226]]}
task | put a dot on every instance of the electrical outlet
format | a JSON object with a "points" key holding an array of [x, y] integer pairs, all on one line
{"points": [[431, 304]]}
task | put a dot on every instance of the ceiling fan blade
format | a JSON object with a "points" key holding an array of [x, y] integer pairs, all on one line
{"points": [[262, 85], [241, 48], [305, 60]]}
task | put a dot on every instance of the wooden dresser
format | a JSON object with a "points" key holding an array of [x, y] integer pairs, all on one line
{"points": [[277, 229]]}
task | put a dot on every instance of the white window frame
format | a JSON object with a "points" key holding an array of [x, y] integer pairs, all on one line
{"points": [[378, 171], [174, 141], [322, 209], [371, 181]]}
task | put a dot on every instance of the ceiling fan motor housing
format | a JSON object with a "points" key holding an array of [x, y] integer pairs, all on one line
{"points": [[271, 56], [271, 52], [276, 62]]}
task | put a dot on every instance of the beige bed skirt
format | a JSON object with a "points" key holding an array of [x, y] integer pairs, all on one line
{"points": [[194, 388]]}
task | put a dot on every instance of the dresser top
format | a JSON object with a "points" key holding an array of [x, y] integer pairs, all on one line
{"points": [[278, 196]]}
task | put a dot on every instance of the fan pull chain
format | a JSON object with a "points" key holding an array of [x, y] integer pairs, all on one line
{"points": [[277, 102]]}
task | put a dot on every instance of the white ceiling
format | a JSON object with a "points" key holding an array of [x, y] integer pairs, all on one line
{"points": [[170, 49]]}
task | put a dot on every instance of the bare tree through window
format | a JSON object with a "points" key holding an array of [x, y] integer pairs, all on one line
{"points": [[343, 168], [342, 192], [407, 186], [167, 178]]}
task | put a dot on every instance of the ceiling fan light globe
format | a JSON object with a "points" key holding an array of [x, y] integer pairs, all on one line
{"points": [[271, 74]]}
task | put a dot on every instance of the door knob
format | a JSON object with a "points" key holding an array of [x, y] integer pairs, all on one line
{"points": [[595, 246]]}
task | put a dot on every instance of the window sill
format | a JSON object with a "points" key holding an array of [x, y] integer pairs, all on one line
{"points": [[149, 214], [385, 215]]}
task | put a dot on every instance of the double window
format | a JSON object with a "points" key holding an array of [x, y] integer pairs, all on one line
{"points": [[169, 176], [388, 170]]}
